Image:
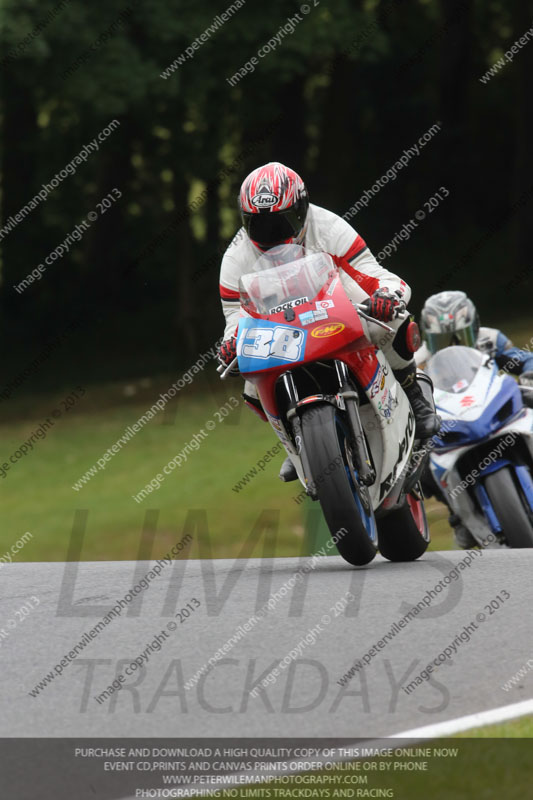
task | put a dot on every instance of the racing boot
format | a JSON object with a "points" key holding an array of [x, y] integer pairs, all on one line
{"points": [[462, 536], [419, 392], [287, 472]]}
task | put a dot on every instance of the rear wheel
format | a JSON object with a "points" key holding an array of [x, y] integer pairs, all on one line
{"points": [[345, 503], [404, 533], [508, 506]]}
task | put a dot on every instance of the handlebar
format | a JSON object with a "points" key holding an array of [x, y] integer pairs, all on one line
{"points": [[361, 310], [224, 369]]}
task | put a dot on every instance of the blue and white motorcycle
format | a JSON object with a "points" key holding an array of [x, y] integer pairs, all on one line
{"points": [[482, 458]]}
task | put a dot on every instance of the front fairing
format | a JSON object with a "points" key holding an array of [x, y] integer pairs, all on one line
{"points": [[304, 329], [477, 401]]}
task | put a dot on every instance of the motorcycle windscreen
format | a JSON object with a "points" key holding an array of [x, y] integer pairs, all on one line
{"points": [[454, 368], [273, 284], [262, 344]]}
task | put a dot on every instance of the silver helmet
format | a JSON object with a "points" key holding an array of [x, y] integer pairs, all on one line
{"points": [[449, 318]]}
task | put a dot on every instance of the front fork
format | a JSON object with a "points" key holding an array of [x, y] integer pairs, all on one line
{"points": [[347, 401], [350, 399]]}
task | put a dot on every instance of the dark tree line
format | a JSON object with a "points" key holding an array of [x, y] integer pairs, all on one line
{"points": [[339, 100]]}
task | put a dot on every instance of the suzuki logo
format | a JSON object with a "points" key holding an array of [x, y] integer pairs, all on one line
{"points": [[323, 331]]}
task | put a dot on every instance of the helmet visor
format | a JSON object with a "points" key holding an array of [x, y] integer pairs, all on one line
{"points": [[272, 228], [438, 341]]}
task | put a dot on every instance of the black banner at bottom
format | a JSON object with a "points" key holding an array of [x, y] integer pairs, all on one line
{"points": [[124, 769]]}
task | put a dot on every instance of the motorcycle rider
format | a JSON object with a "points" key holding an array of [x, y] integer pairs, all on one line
{"points": [[275, 210], [451, 318]]}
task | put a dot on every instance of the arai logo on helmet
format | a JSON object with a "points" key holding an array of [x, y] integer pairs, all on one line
{"points": [[264, 200]]}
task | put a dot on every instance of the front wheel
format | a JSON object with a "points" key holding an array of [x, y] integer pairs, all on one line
{"points": [[404, 533], [345, 503], [509, 508]]}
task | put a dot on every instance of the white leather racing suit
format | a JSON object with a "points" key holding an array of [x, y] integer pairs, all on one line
{"points": [[359, 271]]}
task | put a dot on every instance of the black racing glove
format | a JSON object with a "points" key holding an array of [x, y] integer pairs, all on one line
{"points": [[383, 305]]}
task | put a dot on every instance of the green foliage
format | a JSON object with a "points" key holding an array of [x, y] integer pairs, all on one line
{"points": [[205, 481], [355, 84]]}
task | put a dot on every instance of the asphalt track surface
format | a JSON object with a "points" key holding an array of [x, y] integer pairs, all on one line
{"points": [[305, 699]]}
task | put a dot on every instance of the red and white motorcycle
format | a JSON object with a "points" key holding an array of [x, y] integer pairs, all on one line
{"points": [[332, 399]]}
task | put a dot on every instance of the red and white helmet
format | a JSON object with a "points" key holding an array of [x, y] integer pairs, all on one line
{"points": [[274, 203]]}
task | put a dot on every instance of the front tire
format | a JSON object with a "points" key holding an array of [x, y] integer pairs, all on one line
{"points": [[509, 508], [345, 504], [404, 533]]}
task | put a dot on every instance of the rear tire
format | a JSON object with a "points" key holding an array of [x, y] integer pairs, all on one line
{"points": [[344, 503], [404, 533], [508, 506]]}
